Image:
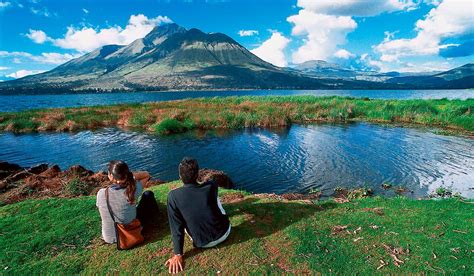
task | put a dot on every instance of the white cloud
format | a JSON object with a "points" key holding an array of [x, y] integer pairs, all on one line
{"points": [[42, 11], [88, 39], [450, 18], [356, 7], [248, 32], [14, 54], [44, 58], [86, 11], [54, 58], [323, 33], [37, 36], [23, 73], [4, 68], [272, 50], [344, 54], [4, 5], [326, 23]]}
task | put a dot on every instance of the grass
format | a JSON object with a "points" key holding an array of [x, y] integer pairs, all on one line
{"points": [[239, 112], [61, 235]]}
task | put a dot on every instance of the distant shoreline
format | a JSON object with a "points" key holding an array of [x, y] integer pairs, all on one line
{"points": [[3, 92]]}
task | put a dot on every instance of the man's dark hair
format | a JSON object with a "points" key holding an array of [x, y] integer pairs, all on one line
{"points": [[188, 170]]}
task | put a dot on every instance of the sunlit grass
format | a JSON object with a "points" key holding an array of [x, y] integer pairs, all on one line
{"points": [[239, 112], [52, 236]]}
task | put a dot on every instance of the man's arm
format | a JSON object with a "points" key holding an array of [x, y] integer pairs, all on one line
{"points": [[176, 221]]}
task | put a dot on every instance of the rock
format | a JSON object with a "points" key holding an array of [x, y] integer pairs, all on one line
{"points": [[78, 171], [219, 177], [293, 196], [17, 176], [5, 166], [53, 171], [38, 169], [7, 169]]}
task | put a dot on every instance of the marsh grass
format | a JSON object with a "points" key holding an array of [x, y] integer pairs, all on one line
{"points": [[269, 236], [240, 112]]}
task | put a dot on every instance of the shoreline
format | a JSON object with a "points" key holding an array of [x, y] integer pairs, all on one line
{"points": [[168, 117], [45, 181]]}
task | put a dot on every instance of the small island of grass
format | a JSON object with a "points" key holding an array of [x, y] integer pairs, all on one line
{"points": [[239, 112]]}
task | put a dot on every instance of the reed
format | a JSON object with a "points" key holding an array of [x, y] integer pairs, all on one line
{"points": [[240, 112]]}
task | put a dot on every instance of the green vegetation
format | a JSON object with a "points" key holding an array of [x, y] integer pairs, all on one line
{"points": [[269, 235], [76, 187], [239, 112]]}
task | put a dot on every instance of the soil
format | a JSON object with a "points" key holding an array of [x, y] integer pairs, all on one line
{"points": [[42, 181]]}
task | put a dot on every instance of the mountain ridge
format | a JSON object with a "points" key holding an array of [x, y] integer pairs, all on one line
{"points": [[171, 57]]}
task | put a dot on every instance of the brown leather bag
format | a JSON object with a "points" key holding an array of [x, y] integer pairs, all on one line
{"points": [[127, 235]]}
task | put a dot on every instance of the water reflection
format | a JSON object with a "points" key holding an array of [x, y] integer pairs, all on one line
{"points": [[294, 159]]}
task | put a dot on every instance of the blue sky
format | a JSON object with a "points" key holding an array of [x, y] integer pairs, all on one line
{"points": [[383, 35]]}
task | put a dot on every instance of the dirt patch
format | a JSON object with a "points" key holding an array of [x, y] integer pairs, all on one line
{"points": [[396, 253], [378, 211], [308, 198], [17, 184], [232, 197]]}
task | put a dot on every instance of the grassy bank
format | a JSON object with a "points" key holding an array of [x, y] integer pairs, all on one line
{"points": [[239, 112], [269, 236]]}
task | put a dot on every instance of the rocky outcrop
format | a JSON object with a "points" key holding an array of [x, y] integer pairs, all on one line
{"points": [[220, 177], [17, 183]]}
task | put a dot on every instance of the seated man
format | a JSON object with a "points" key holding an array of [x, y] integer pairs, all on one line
{"points": [[196, 210]]}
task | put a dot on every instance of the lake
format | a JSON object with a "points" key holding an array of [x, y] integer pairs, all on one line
{"points": [[295, 159], [24, 102]]}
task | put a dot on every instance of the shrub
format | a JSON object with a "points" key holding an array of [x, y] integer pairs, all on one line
{"points": [[169, 126], [76, 187]]}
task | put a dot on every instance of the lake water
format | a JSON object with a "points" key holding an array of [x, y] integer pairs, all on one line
{"points": [[23, 102], [296, 159]]}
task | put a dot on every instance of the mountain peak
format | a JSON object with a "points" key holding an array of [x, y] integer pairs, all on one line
{"points": [[162, 31]]}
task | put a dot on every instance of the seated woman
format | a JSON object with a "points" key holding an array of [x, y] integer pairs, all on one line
{"points": [[124, 193]]}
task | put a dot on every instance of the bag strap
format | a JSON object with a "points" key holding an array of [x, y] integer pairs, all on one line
{"points": [[117, 236], [108, 204]]}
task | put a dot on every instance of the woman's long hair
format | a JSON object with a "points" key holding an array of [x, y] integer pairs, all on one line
{"points": [[120, 171]]}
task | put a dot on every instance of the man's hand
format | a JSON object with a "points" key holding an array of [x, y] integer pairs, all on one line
{"points": [[175, 264]]}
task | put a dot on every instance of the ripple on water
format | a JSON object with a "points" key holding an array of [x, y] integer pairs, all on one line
{"points": [[296, 159]]}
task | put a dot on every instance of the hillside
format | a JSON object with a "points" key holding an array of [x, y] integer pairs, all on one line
{"points": [[173, 58], [460, 77], [269, 235], [168, 58]]}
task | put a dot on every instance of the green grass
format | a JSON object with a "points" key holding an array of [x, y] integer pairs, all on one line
{"points": [[269, 236], [239, 112]]}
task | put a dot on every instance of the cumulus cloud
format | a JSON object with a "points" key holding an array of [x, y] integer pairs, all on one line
{"points": [[344, 54], [44, 58], [248, 32], [86, 11], [323, 33], [356, 7], [23, 73], [37, 36], [326, 23], [87, 39], [4, 68], [451, 18], [272, 50]]}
